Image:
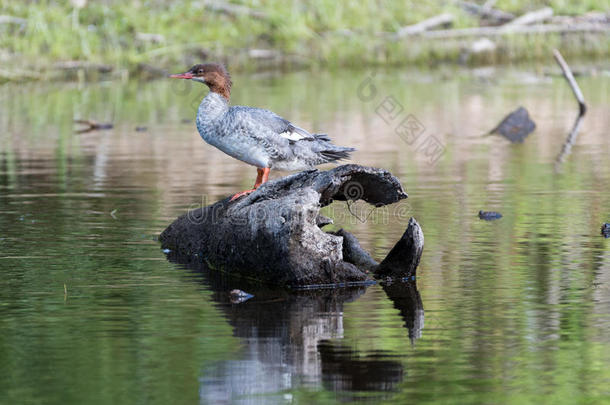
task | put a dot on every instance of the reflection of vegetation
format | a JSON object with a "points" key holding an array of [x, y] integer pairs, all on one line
{"points": [[312, 32]]}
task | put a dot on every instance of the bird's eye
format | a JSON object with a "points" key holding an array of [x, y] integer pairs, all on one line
{"points": [[200, 71]]}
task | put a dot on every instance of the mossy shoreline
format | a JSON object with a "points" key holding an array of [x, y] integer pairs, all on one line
{"points": [[57, 40]]}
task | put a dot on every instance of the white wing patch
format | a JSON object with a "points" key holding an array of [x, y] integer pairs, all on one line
{"points": [[293, 136], [295, 133]]}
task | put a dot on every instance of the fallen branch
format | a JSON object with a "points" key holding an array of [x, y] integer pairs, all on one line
{"points": [[567, 73], [530, 18], [503, 30], [436, 21]]}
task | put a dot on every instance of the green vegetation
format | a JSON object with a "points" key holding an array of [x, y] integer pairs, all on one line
{"points": [[162, 34]]}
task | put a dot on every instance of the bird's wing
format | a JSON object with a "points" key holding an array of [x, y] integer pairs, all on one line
{"points": [[262, 120]]}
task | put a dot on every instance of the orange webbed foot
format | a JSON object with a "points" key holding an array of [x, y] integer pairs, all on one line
{"points": [[262, 176], [236, 196]]}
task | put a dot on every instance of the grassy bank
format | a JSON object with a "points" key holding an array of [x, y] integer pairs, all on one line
{"points": [[143, 36]]}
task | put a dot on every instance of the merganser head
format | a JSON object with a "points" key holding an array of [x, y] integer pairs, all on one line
{"points": [[214, 75]]}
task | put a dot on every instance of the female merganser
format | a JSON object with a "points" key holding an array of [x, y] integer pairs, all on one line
{"points": [[253, 135]]}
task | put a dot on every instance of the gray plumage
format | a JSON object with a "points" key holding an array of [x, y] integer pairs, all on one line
{"points": [[262, 138]]}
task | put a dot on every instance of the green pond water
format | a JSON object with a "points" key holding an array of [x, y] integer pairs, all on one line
{"points": [[512, 311]]}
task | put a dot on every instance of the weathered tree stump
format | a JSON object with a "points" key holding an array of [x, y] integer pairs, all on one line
{"points": [[274, 235]]}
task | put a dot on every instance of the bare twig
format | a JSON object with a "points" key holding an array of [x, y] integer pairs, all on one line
{"points": [[567, 73], [436, 21]]}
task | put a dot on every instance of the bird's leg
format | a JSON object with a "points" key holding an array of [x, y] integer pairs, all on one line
{"points": [[262, 177]]}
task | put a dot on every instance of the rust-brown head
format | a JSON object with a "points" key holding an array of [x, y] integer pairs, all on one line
{"points": [[214, 75]]}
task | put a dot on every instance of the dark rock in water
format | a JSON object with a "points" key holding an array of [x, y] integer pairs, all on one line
{"points": [[274, 234], [606, 230], [516, 126], [489, 215], [141, 129]]}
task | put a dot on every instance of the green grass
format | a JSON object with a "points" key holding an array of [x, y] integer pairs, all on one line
{"points": [[311, 33]]}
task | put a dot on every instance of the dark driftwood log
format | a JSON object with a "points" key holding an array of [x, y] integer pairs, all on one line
{"points": [[273, 235]]}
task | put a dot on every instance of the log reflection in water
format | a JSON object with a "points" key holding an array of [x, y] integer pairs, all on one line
{"points": [[566, 149], [294, 338]]}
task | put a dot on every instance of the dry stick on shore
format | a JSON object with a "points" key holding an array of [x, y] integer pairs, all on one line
{"points": [[567, 73], [531, 17], [518, 29], [436, 21]]}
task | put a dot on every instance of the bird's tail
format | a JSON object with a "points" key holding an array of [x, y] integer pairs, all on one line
{"points": [[327, 152], [335, 153], [321, 137]]}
